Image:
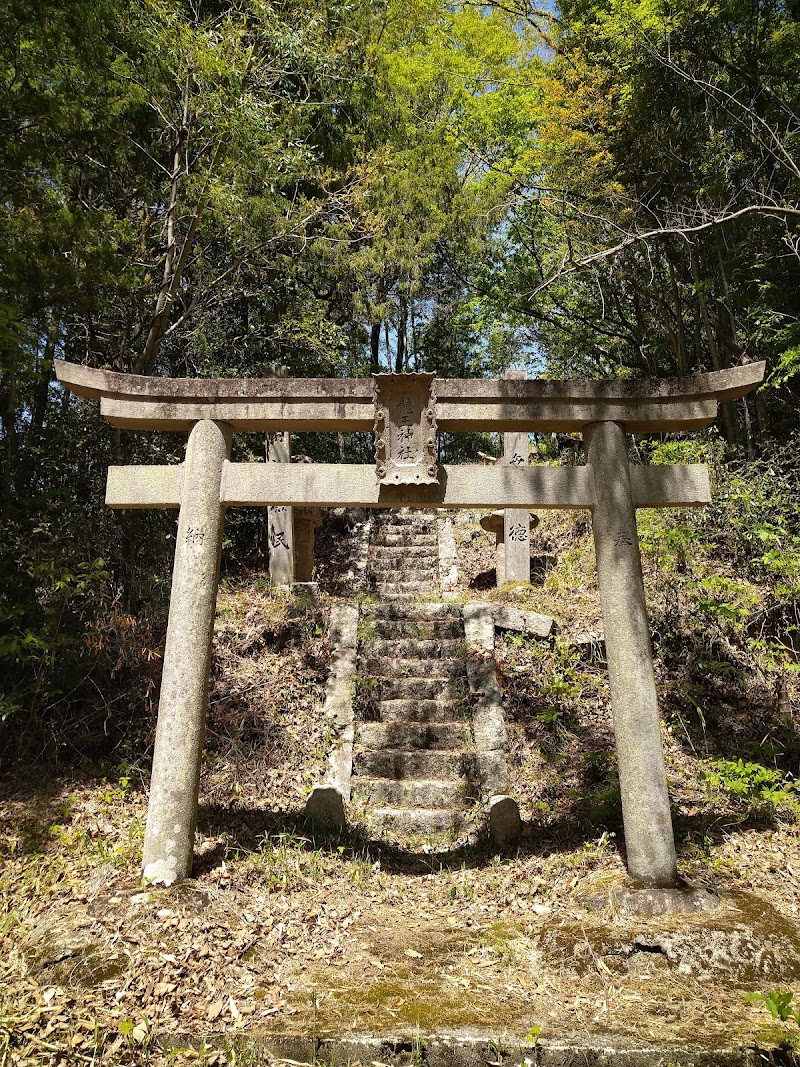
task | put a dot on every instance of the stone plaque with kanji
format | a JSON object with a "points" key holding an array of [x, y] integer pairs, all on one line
{"points": [[405, 429]]}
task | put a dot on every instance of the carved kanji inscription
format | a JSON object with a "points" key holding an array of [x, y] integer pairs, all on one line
{"points": [[405, 429]]}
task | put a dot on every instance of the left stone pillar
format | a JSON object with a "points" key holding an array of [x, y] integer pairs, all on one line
{"points": [[180, 732], [280, 523]]}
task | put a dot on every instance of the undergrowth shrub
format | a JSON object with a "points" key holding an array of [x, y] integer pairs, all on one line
{"points": [[753, 783], [78, 665], [548, 682], [736, 563]]}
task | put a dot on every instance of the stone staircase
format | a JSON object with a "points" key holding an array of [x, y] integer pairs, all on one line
{"points": [[403, 560], [415, 765]]}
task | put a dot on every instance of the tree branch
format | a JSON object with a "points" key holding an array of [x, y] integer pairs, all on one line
{"points": [[685, 232]]}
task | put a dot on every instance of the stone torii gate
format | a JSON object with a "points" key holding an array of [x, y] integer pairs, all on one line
{"points": [[405, 411]]}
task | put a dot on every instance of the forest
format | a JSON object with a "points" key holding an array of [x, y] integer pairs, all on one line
{"points": [[199, 189]]}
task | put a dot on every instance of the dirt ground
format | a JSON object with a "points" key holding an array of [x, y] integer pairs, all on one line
{"points": [[284, 932]]}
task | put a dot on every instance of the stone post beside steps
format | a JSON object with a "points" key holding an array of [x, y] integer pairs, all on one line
{"points": [[280, 523], [516, 528], [495, 523]]}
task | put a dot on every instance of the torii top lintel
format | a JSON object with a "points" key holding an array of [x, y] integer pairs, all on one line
{"points": [[645, 405]]}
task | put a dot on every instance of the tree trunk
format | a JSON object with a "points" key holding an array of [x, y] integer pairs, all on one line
{"points": [[762, 419], [375, 348], [413, 345], [163, 301], [402, 325], [731, 340], [727, 416], [34, 434], [683, 363], [175, 262], [43, 385], [8, 412]]}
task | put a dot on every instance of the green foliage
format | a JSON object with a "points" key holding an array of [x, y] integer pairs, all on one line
{"points": [[652, 123], [365, 694], [753, 783], [778, 1003], [737, 562], [286, 862], [208, 191], [343, 187], [547, 681], [563, 685]]}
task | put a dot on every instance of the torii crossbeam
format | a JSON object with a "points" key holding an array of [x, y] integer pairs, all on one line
{"points": [[405, 412]]}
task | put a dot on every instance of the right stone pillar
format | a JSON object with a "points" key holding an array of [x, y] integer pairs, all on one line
{"points": [[649, 840]]}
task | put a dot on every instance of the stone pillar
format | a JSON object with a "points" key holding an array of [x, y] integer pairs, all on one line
{"points": [[306, 520], [279, 521], [649, 840], [180, 733], [517, 561], [495, 524]]}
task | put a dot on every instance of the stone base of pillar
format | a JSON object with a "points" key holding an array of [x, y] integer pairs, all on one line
{"points": [[631, 900]]}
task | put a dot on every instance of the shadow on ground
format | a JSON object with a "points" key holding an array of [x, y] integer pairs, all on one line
{"points": [[249, 829]]}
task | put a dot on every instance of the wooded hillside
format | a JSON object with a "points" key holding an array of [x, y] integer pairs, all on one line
{"points": [[610, 189]]}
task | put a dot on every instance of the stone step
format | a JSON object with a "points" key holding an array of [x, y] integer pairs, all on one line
{"points": [[393, 553], [413, 735], [417, 820], [408, 646], [399, 710], [408, 567], [414, 792], [396, 519], [420, 689], [408, 667], [408, 577], [420, 629], [396, 763], [400, 551], [387, 538], [399, 581], [404, 597], [431, 610], [409, 582]]}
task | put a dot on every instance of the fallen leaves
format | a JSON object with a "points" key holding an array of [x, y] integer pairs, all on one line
{"points": [[236, 1015], [276, 920]]}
